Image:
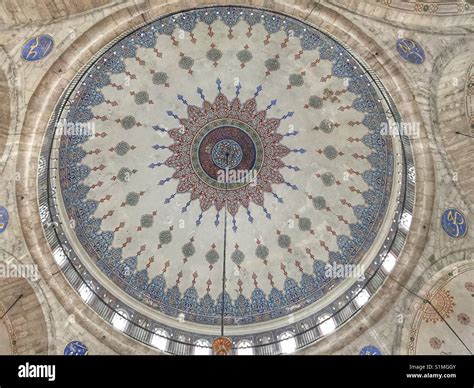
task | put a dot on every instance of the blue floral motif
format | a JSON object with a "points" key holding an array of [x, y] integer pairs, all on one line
{"points": [[308, 284], [165, 26], [126, 268], [145, 38], [242, 306], [272, 23], [277, 299], [342, 68], [253, 17], [207, 16], [187, 22], [189, 303], [173, 299], [292, 290], [156, 288], [329, 50], [309, 40], [347, 246], [115, 64], [137, 283], [228, 308], [259, 301], [230, 16], [207, 309]]}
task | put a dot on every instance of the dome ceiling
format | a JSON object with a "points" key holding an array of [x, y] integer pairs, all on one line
{"points": [[226, 143]]}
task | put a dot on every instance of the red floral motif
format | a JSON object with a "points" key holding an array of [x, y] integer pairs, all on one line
{"points": [[272, 151], [436, 343], [469, 286], [464, 319]]}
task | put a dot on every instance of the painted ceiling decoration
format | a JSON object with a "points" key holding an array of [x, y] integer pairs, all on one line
{"points": [[410, 51], [454, 223], [370, 350], [430, 7], [4, 217], [37, 48], [231, 159], [75, 348], [442, 323]]}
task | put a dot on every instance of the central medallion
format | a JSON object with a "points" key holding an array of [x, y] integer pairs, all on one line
{"points": [[221, 136], [227, 153], [224, 145]]}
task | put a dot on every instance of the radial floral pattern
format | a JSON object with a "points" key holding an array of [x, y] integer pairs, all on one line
{"points": [[443, 325], [282, 109], [232, 129]]}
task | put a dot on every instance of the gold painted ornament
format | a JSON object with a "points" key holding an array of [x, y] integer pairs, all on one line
{"points": [[222, 346]]}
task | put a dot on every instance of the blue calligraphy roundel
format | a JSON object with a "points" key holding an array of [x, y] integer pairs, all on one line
{"points": [[454, 223], [370, 350], [410, 51], [37, 48], [76, 348]]}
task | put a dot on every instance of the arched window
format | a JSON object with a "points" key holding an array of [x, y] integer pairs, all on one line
{"points": [[327, 324], [85, 293], [362, 297], [202, 347], [287, 342], [160, 339], [244, 348], [405, 221], [389, 262], [120, 320]]}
